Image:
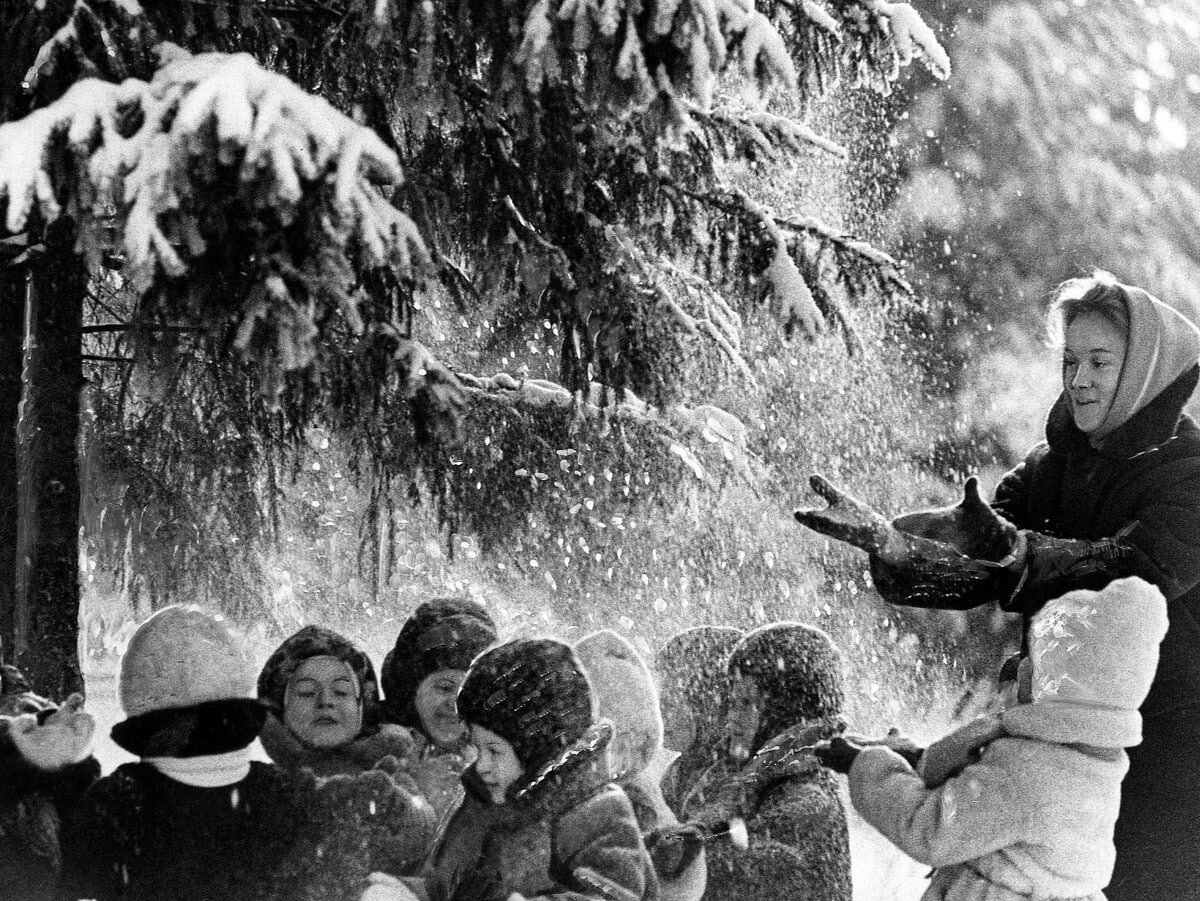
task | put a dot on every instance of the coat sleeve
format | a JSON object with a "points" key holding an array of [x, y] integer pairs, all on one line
{"points": [[597, 853], [91, 857], [975, 813], [1167, 534], [1010, 499]]}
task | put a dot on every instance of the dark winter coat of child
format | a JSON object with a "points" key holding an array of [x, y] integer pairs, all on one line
{"points": [[45, 767], [421, 676], [786, 695], [540, 817], [1033, 817], [626, 696], [195, 819], [693, 686]]}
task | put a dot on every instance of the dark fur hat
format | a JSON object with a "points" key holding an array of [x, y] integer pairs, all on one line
{"points": [[533, 693], [797, 668], [317, 641], [442, 633]]}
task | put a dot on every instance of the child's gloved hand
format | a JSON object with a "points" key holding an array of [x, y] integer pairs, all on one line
{"points": [[674, 848], [384, 887], [63, 739], [837, 754], [896, 741]]}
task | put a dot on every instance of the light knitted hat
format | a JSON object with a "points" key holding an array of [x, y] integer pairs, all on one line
{"points": [[625, 694], [1099, 650], [180, 657]]}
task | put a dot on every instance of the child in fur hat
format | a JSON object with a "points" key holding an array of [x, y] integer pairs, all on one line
{"points": [[421, 676], [626, 696], [786, 695], [1034, 816], [693, 686], [541, 818], [324, 715], [45, 767], [195, 817]]}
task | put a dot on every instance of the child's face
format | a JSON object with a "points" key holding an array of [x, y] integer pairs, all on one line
{"points": [[435, 706], [497, 763], [744, 718], [322, 706]]}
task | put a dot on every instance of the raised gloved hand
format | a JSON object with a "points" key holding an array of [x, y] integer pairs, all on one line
{"points": [[837, 754], [895, 740], [847, 519], [674, 848], [64, 738]]}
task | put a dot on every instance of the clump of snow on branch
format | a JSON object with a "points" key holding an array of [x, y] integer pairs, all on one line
{"points": [[152, 153], [910, 33]]}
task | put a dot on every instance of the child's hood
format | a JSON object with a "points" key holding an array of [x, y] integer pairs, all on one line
{"points": [[1094, 656]]}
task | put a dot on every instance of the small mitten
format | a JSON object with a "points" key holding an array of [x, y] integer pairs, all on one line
{"points": [[673, 848], [63, 739], [837, 754]]}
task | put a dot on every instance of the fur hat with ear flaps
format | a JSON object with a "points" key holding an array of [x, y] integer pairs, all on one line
{"points": [[534, 694], [798, 669], [317, 641], [625, 694], [442, 633], [186, 687]]}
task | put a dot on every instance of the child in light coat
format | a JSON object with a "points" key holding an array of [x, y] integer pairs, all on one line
{"points": [[1033, 817], [627, 697]]}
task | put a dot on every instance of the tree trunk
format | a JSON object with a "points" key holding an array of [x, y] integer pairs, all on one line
{"points": [[12, 331], [46, 623]]}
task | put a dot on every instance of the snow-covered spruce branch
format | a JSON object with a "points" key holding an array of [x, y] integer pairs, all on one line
{"points": [[709, 317], [910, 34], [677, 426], [850, 250], [770, 133], [555, 32], [210, 132]]}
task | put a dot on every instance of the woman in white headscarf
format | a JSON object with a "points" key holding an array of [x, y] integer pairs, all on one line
{"points": [[1114, 490]]}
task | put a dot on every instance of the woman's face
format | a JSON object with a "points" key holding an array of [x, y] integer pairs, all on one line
{"points": [[322, 704], [1092, 361], [744, 718], [435, 706], [497, 763]]}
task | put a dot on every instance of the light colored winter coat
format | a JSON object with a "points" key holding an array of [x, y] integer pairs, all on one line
{"points": [[627, 696], [1034, 816]]}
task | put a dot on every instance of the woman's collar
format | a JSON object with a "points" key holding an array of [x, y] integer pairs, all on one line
{"points": [[1147, 430]]}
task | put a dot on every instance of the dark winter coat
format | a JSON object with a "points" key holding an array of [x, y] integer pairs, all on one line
{"points": [[799, 844], [33, 806], [1148, 474], [573, 837], [273, 836]]}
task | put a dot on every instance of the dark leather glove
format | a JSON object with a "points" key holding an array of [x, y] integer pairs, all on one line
{"points": [[846, 518], [1050, 567], [674, 848], [837, 754]]}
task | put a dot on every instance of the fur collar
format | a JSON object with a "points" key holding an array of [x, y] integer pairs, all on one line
{"points": [[286, 749]]}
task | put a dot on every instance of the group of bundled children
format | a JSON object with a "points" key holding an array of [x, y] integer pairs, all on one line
{"points": [[489, 770]]}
